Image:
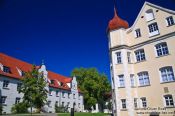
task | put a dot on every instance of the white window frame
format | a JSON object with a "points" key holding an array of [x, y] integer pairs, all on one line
{"points": [[167, 74], [169, 101], [118, 57], [50, 92], [119, 81], [129, 57], [123, 103], [132, 80], [6, 84], [3, 99], [140, 55], [135, 103], [143, 102], [137, 33], [17, 100], [149, 14], [57, 93], [153, 29], [161, 49], [170, 21], [144, 76]]}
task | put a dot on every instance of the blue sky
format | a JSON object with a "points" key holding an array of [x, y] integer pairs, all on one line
{"points": [[66, 34]]}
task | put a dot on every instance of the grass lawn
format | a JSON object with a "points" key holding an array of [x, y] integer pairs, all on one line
{"points": [[83, 114]]}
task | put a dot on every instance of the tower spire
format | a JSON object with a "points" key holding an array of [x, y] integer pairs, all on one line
{"points": [[115, 8]]}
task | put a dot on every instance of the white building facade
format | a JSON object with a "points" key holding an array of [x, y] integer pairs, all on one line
{"points": [[63, 91], [142, 63]]}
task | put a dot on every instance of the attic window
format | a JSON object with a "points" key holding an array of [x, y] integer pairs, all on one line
{"points": [[52, 81], [22, 73], [149, 15], [6, 69]]}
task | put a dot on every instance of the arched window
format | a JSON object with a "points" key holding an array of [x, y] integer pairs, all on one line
{"points": [[149, 15]]}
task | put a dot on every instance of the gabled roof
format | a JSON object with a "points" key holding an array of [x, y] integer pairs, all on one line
{"points": [[15, 64], [152, 5]]}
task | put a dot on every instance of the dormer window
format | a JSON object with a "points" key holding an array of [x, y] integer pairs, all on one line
{"points": [[22, 73], [52, 82], [149, 15], [6, 69], [170, 21], [137, 33]]}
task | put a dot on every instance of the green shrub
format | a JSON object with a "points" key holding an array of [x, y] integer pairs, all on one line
{"points": [[61, 109], [20, 108]]}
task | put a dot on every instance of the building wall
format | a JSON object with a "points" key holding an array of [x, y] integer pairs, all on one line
{"points": [[11, 93], [124, 41]]}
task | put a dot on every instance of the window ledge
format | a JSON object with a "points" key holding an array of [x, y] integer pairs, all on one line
{"points": [[118, 63], [144, 85], [167, 82], [152, 35], [6, 88], [162, 55], [4, 104], [140, 61], [169, 106], [170, 25], [124, 109], [121, 87]]}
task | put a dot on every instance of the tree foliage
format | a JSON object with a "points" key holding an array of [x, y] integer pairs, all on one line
{"points": [[94, 86], [33, 87], [20, 108]]}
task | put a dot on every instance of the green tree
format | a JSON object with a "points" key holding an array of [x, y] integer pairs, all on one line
{"points": [[94, 86], [33, 87]]}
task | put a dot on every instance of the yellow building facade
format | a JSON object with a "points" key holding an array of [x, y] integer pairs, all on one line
{"points": [[142, 63]]}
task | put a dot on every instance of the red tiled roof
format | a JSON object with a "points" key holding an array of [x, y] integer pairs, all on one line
{"points": [[14, 63], [117, 22]]}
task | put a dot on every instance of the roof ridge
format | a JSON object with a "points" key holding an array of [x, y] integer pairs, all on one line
{"points": [[14, 58]]}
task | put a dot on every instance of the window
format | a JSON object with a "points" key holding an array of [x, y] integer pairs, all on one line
{"points": [[6, 69], [143, 78], [144, 102], [140, 55], [121, 81], [62, 104], [170, 21], [169, 101], [167, 74], [19, 86], [149, 15], [79, 96], [135, 103], [129, 57], [49, 103], [63, 94], [5, 84], [51, 81], [50, 92], [22, 73], [123, 103], [137, 33], [153, 29], [17, 100], [74, 96], [132, 80], [79, 105], [3, 99], [162, 49], [68, 104], [69, 95], [119, 58], [57, 94], [56, 103]]}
